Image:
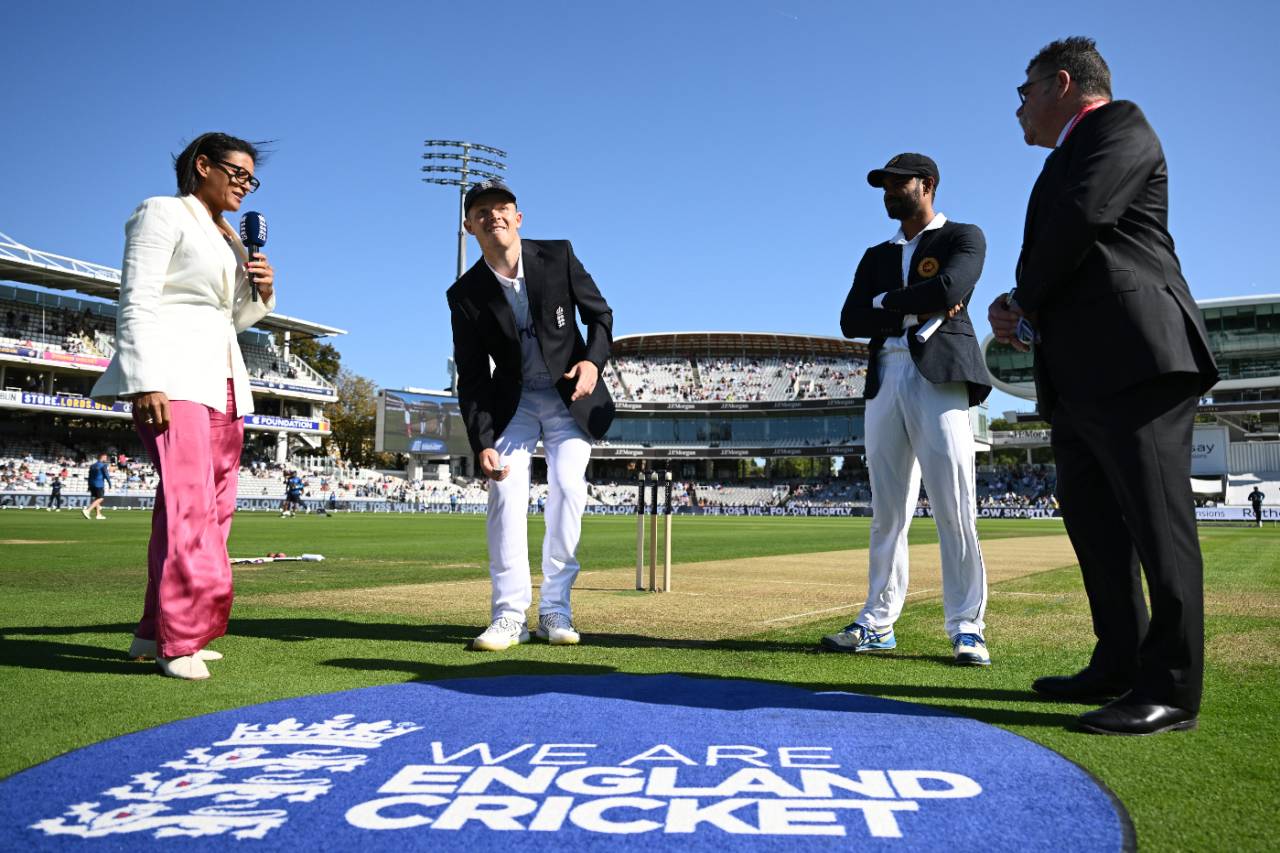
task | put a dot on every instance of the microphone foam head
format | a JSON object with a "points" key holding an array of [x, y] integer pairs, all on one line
{"points": [[253, 228]]}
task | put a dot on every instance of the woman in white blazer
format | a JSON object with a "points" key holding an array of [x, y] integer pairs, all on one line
{"points": [[184, 295]]}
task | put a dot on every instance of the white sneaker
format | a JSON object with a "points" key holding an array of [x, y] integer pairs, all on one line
{"points": [[971, 650], [141, 649], [99, 517], [502, 634], [85, 512], [188, 667], [557, 629]]}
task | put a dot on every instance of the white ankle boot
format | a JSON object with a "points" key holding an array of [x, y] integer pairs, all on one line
{"points": [[189, 667]]}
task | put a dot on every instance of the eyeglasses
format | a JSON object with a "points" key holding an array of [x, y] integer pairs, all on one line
{"points": [[239, 175], [1022, 90]]}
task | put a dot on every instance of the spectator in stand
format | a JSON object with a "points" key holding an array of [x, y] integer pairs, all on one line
{"points": [[99, 478], [187, 288]]}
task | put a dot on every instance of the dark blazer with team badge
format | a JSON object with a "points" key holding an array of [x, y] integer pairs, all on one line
{"points": [[1098, 265], [484, 327], [944, 271]]}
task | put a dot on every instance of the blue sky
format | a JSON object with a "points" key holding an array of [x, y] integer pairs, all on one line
{"points": [[707, 159]]}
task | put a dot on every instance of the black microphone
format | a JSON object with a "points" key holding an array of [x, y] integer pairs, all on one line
{"points": [[253, 233]]}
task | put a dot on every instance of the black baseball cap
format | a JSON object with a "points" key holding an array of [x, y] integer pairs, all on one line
{"points": [[910, 165], [493, 185]]}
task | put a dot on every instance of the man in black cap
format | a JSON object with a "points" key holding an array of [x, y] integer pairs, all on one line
{"points": [[516, 307], [925, 372], [1121, 359]]}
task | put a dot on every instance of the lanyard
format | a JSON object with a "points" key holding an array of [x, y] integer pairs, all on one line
{"points": [[1083, 112]]}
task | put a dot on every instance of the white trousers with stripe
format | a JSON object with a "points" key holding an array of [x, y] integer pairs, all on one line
{"points": [[541, 414], [916, 428]]}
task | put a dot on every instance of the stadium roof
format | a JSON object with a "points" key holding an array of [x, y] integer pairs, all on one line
{"points": [[1237, 301], [764, 344], [57, 272]]}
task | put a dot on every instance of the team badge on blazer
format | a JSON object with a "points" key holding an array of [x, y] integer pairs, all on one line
{"points": [[928, 267], [559, 316]]}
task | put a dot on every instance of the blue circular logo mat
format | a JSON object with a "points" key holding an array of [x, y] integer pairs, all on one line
{"points": [[579, 762]]}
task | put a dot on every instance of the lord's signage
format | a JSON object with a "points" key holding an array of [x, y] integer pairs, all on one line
{"points": [[565, 762], [123, 409]]}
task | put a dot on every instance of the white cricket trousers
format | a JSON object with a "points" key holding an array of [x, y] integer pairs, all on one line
{"points": [[541, 414], [915, 427]]}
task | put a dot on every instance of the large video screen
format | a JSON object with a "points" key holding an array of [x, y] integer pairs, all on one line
{"points": [[410, 422]]}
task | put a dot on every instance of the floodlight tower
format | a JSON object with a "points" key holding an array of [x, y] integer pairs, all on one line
{"points": [[459, 165]]}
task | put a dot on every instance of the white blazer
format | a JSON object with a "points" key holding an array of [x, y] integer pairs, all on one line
{"points": [[184, 296]]}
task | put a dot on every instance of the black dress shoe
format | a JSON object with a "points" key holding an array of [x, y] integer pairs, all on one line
{"points": [[1135, 717], [1083, 686]]}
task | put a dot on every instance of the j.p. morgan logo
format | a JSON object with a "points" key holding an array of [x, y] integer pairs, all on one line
{"points": [[621, 762], [531, 787]]}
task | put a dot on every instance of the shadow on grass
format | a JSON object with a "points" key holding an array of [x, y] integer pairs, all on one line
{"points": [[25, 648], [523, 678], [70, 657]]}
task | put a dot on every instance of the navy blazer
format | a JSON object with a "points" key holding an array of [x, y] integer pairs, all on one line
{"points": [[944, 272], [484, 327], [1099, 269]]}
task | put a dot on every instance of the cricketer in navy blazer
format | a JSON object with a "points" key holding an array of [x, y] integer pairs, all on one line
{"points": [[484, 328], [944, 271]]}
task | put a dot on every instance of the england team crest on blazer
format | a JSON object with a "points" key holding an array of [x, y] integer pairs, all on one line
{"points": [[560, 321], [928, 267]]}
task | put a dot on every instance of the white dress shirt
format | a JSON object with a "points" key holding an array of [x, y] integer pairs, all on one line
{"points": [[900, 343], [533, 367]]}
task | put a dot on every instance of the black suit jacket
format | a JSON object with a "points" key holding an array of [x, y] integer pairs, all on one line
{"points": [[944, 271], [1098, 265], [484, 327]]}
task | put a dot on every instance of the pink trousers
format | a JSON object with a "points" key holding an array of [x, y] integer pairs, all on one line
{"points": [[188, 573]]}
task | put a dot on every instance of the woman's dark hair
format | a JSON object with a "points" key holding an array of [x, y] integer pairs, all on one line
{"points": [[215, 146]]}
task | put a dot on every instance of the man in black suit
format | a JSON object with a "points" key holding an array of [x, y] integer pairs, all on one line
{"points": [[1121, 358], [925, 371], [516, 306]]}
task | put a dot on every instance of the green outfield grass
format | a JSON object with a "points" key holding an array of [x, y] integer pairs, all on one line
{"points": [[70, 597]]}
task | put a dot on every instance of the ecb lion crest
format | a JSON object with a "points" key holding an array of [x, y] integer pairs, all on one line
{"points": [[209, 792]]}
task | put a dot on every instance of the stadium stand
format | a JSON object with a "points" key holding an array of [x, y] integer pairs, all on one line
{"points": [[61, 330], [830, 493], [23, 470], [264, 360], [86, 333], [1017, 486], [654, 379], [728, 378], [1240, 485]]}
